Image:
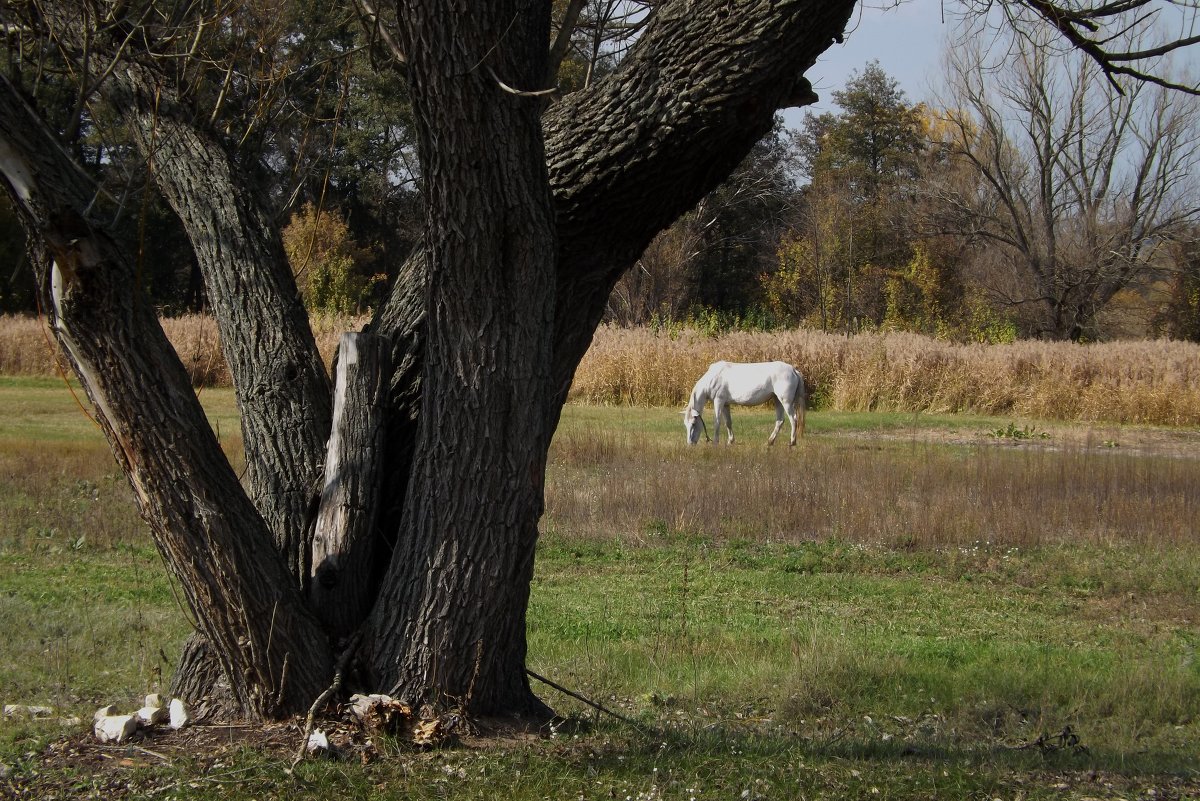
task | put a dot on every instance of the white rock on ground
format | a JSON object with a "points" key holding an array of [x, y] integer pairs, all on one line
{"points": [[153, 715], [362, 705], [105, 712], [12, 710], [115, 728], [178, 714], [318, 743], [154, 700]]}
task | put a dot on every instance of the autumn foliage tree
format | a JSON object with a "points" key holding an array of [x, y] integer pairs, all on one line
{"points": [[849, 232], [331, 269]]}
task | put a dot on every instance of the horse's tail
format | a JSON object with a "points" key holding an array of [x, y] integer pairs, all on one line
{"points": [[800, 402]]}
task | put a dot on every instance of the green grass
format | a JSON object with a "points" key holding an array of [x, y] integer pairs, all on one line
{"points": [[50, 410], [754, 424], [891, 610]]}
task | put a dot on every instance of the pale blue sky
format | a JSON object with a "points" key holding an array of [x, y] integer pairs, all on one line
{"points": [[907, 42]]}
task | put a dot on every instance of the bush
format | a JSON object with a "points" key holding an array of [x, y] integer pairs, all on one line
{"points": [[330, 267]]}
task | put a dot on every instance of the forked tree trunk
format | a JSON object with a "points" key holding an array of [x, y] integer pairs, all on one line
{"points": [[485, 328]]}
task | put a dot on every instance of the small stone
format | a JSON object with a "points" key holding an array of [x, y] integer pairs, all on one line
{"points": [[11, 710], [318, 743], [105, 712], [153, 699], [179, 714], [153, 715], [115, 728]]}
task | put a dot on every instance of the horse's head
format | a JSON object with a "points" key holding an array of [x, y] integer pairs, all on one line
{"points": [[693, 422]]}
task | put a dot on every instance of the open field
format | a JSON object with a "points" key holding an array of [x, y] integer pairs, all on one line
{"points": [[904, 606]]}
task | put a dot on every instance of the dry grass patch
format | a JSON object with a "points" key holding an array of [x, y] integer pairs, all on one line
{"points": [[1126, 382], [27, 349], [608, 481]]}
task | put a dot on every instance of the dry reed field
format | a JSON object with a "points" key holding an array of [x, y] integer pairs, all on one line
{"points": [[1153, 383], [28, 349], [1156, 383]]}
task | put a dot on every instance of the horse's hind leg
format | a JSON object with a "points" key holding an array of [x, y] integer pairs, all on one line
{"points": [[779, 423]]}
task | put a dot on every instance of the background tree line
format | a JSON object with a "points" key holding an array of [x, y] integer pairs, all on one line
{"points": [[1031, 198]]}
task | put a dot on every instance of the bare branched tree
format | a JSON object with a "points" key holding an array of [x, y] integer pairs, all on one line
{"points": [[1079, 187], [1125, 39]]}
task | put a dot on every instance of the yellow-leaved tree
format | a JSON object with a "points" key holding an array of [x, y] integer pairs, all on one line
{"points": [[330, 267]]}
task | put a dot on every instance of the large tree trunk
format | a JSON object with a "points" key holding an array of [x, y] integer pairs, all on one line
{"points": [[451, 615], [620, 175], [485, 330]]}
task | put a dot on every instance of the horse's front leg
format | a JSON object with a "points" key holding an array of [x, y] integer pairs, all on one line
{"points": [[728, 421]]}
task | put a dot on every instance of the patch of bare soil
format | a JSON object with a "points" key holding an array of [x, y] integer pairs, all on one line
{"points": [[149, 765], [1182, 443]]}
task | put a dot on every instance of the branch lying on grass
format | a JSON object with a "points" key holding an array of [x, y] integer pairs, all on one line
{"points": [[133, 747], [324, 697], [1067, 738], [589, 702]]}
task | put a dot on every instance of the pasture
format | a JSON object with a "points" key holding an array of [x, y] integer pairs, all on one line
{"points": [[902, 606]]}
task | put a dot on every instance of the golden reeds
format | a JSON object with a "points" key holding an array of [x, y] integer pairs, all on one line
{"points": [[1149, 382], [1154, 382], [26, 347]]}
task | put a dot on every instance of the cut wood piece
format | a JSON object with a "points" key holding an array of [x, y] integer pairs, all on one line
{"points": [[340, 587]]}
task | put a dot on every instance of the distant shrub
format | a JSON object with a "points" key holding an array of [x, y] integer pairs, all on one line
{"points": [[330, 268]]}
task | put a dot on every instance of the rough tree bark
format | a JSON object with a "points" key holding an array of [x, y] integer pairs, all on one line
{"points": [[453, 603], [283, 391], [485, 329], [202, 521]]}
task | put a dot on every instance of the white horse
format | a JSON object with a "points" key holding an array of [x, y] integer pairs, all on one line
{"points": [[726, 383]]}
